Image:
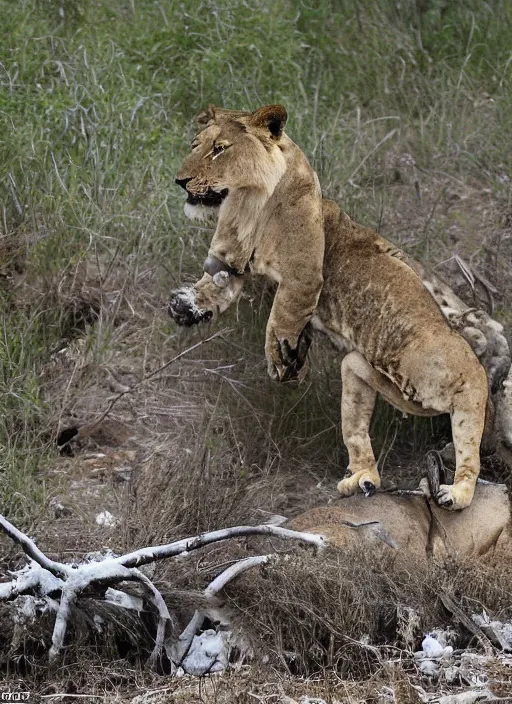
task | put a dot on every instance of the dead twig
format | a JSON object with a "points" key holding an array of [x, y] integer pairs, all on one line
{"points": [[86, 429], [458, 613]]}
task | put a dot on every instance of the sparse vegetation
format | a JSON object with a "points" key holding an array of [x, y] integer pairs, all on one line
{"points": [[404, 111], [349, 610]]}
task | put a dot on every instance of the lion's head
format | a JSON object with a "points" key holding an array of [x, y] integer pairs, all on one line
{"points": [[234, 150]]}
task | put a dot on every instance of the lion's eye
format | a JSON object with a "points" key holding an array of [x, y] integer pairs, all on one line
{"points": [[217, 150]]}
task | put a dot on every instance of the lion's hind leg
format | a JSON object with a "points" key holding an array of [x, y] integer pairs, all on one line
{"points": [[361, 383], [357, 404], [468, 422]]}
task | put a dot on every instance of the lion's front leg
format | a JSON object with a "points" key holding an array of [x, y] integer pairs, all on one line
{"points": [[287, 336], [210, 296]]}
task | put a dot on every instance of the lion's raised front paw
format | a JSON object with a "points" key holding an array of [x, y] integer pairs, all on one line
{"points": [[184, 310], [280, 372]]}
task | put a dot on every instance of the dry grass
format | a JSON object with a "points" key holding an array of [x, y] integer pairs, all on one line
{"points": [[321, 622], [350, 612]]}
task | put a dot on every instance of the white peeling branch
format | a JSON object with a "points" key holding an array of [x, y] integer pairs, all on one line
{"points": [[177, 652], [31, 549], [111, 568], [67, 599], [187, 545], [163, 615], [233, 571]]}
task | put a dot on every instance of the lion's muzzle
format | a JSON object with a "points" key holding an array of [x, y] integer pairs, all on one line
{"points": [[182, 182], [208, 196]]}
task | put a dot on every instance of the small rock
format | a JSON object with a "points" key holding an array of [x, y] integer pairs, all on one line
{"points": [[451, 674], [429, 668], [59, 510], [432, 647], [106, 519]]}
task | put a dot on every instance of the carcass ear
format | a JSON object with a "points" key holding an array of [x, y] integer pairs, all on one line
{"points": [[270, 117], [204, 118]]}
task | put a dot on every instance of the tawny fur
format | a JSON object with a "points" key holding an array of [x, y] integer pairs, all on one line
{"points": [[403, 348], [415, 525], [261, 168], [372, 302]]}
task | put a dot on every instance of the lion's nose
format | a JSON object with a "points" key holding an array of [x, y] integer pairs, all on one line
{"points": [[183, 182]]}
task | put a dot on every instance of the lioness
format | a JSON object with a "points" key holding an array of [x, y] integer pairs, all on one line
{"points": [[245, 169], [234, 169]]}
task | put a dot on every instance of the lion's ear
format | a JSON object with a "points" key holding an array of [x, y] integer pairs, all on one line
{"points": [[271, 117], [207, 116]]}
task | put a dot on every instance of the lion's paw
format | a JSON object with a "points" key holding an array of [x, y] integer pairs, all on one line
{"points": [[184, 310], [287, 363], [367, 482], [347, 486], [454, 497], [287, 373]]}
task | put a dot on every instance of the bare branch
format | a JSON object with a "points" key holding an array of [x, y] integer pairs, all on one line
{"points": [[233, 571], [68, 597], [163, 615], [187, 545], [30, 548]]}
